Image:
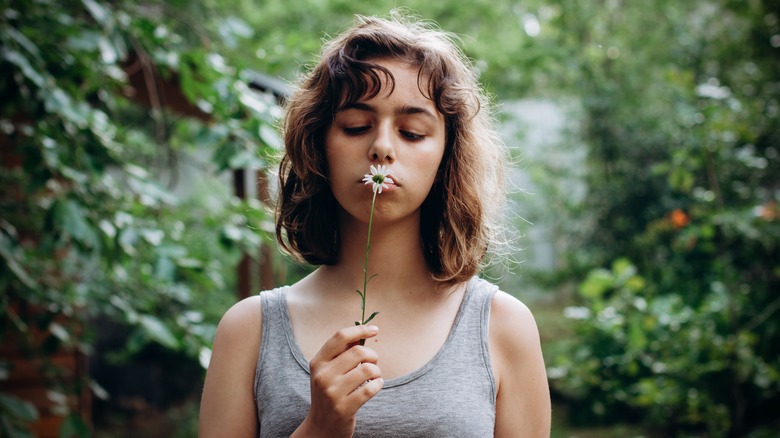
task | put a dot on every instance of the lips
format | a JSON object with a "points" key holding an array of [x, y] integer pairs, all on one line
{"points": [[390, 186]]}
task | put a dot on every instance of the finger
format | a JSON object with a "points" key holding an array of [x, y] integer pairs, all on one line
{"points": [[364, 393], [345, 362], [357, 354], [335, 388], [344, 339], [359, 375]]}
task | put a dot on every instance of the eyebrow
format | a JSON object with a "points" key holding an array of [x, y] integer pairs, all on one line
{"points": [[403, 110]]}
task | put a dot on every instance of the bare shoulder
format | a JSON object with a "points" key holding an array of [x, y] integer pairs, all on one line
{"points": [[243, 317], [512, 325], [238, 338], [227, 405], [523, 398]]}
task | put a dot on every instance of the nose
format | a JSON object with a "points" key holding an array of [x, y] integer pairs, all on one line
{"points": [[382, 149]]}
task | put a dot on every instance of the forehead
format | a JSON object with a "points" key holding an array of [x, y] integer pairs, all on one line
{"points": [[388, 78]]}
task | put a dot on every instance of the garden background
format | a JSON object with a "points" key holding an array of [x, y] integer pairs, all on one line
{"points": [[137, 142]]}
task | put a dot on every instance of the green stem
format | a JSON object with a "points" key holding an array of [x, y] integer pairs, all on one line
{"points": [[365, 260]]}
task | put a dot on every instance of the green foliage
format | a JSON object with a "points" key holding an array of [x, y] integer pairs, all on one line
{"points": [[92, 225], [14, 414], [662, 359], [288, 35], [683, 140]]}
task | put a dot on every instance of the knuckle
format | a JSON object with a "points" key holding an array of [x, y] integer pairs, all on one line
{"points": [[356, 352], [341, 336], [362, 353], [320, 380], [369, 389], [329, 393], [315, 368], [368, 370]]}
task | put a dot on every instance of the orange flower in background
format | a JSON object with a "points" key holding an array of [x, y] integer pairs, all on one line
{"points": [[769, 210], [679, 218]]}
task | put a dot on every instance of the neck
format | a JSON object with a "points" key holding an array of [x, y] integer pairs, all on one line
{"points": [[395, 257]]}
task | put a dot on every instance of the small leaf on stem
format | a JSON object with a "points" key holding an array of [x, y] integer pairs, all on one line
{"points": [[370, 317]]}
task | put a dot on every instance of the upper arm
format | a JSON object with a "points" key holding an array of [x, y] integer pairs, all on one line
{"points": [[227, 406], [523, 399]]}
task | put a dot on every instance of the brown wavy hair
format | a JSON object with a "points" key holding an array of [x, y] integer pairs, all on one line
{"points": [[458, 217]]}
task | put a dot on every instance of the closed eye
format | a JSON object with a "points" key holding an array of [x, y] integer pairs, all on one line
{"points": [[356, 130], [412, 136]]}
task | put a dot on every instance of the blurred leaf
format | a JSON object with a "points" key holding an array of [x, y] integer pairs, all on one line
{"points": [[24, 65], [23, 41], [71, 218], [204, 357], [623, 270], [270, 137], [12, 261], [100, 12], [17, 408], [60, 332], [157, 331], [74, 426], [597, 283]]}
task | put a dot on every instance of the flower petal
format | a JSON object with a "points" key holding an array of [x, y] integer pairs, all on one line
{"points": [[378, 177]]}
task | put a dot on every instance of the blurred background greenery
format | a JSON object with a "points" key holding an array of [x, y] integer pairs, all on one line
{"points": [[647, 135]]}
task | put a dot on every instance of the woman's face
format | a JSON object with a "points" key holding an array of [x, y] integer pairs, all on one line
{"points": [[399, 128]]}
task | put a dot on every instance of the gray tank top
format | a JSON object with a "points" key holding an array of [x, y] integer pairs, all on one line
{"points": [[453, 395]]}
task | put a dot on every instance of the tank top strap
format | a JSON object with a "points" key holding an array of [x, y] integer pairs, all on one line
{"points": [[471, 323], [471, 326]]}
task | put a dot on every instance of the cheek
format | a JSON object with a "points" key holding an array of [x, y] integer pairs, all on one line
{"points": [[340, 166], [334, 156], [339, 148], [329, 150], [428, 170]]}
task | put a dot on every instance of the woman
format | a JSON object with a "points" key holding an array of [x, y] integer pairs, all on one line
{"points": [[448, 354]]}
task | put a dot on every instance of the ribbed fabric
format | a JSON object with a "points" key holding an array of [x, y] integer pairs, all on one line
{"points": [[453, 395]]}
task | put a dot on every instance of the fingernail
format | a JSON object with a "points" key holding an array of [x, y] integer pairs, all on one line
{"points": [[373, 328]]}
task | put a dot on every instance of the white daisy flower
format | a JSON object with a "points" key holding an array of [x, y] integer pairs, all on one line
{"points": [[378, 177]]}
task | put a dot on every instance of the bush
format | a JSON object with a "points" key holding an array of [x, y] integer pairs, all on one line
{"points": [[682, 205], [91, 225]]}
